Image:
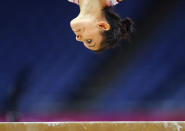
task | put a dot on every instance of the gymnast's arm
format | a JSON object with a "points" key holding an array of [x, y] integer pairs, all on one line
{"points": [[108, 2]]}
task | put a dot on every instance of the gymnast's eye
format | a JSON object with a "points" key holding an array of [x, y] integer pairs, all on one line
{"points": [[89, 41]]}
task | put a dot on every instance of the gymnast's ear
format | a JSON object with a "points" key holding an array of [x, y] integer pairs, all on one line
{"points": [[103, 25]]}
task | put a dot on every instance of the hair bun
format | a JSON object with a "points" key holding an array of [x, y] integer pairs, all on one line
{"points": [[128, 25]]}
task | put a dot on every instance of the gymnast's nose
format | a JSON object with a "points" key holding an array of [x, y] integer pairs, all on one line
{"points": [[76, 26], [78, 37]]}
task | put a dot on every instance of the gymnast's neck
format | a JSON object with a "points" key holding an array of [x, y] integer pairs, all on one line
{"points": [[91, 8]]}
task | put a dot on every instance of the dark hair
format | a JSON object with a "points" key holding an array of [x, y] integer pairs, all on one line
{"points": [[119, 29]]}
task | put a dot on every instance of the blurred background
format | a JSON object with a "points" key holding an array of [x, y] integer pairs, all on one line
{"points": [[45, 75]]}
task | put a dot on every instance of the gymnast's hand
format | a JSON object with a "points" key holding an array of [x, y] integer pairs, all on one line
{"points": [[98, 26]]}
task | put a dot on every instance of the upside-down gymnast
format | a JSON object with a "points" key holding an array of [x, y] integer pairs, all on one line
{"points": [[98, 26]]}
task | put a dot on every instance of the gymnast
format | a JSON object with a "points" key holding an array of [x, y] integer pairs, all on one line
{"points": [[98, 26]]}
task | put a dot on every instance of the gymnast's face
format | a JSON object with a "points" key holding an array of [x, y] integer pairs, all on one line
{"points": [[89, 31]]}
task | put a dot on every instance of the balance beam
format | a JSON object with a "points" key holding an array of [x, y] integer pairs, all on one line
{"points": [[94, 126]]}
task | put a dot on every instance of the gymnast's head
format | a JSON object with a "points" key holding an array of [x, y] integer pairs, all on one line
{"points": [[102, 31]]}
